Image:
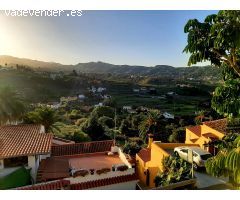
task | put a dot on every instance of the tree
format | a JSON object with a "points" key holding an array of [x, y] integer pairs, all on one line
{"points": [[226, 99], [11, 105], [131, 148], [43, 115], [150, 124], [103, 111], [106, 121], [227, 161], [93, 128], [111, 102], [216, 40]]}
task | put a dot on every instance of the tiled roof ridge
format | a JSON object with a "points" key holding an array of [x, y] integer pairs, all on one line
{"points": [[18, 125], [51, 185], [59, 184], [217, 120], [102, 141], [81, 148], [103, 182]]}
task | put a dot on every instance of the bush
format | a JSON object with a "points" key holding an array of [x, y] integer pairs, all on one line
{"points": [[103, 171], [131, 148], [80, 121], [175, 170], [106, 121], [103, 111], [122, 168]]}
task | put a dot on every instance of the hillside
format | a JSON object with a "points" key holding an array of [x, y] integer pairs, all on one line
{"points": [[206, 72]]}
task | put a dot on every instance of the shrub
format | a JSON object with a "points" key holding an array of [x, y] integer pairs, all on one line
{"points": [[122, 168], [175, 170], [131, 148], [80, 121], [103, 171]]}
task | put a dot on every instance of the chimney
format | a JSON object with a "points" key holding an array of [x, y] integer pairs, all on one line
{"points": [[150, 140]]}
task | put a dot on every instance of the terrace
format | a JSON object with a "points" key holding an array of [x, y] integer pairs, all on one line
{"points": [[84, 162]]}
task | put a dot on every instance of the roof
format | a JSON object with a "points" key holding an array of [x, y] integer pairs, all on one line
{"points": [[145, 154], [195, 129], [219, 125], [65, 184], [81, 148], [23, 140], [58, 167], [53, 185], [103, 182]]}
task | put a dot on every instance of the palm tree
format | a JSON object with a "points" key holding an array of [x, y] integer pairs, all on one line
{"points": [[149, 125], [43, 115], [11, 106], [227, 161]]}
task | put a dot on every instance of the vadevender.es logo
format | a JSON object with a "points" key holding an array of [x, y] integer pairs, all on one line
{"points": [[43, 13]]}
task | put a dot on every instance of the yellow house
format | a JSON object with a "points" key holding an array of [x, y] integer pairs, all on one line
{"points": [[205, 133], [149, 160]]}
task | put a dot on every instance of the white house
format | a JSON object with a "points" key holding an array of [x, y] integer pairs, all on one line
{"points": [[168, 115], [24, 145], [81, 96]]}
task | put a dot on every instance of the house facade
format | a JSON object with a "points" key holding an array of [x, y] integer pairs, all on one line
{"points": [[205, 133], [149, 160]]}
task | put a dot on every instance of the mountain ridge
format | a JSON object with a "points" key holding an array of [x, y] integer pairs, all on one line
{"points": [[105, 68]]}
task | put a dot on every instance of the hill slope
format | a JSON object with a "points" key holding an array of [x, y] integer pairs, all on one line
{"points": [[103, 68]]}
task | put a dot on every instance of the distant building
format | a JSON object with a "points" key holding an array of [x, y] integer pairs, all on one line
{"points": [[81, 96], [136, 90], [168, 115]]}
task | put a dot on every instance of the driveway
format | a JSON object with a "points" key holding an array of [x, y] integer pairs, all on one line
{"points": [[205, 181]]}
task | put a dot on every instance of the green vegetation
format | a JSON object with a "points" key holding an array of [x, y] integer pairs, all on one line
{"points": [[175, 170], [20, 177], [227, 161], [217, 40], [42, 115], [11, 105]]}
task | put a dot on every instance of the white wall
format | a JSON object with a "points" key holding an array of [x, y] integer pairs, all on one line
{"points": [[123, 158], [32, 164], [131, 185], [1, 164]]}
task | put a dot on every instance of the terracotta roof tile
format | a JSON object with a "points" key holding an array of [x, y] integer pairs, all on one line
{"points": [[53, 185], [80, 148], [219, 125], [145, 154], [22, 140], [195, 129], [103, 182]]}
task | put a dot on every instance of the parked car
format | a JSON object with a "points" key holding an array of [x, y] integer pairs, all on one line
{"points": [[200, 156]]}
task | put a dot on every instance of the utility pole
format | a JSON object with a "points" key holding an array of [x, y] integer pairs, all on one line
{"points": [[115, 126]]}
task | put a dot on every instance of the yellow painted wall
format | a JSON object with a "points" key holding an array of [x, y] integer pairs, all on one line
{"points": [[155, 164], [202, 140]]}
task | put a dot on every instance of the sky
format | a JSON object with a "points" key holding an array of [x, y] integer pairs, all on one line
{"points": [[146, 38]]}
